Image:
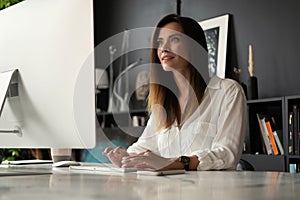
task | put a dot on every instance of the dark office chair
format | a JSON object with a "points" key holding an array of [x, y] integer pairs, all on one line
{"points": [[243, 165]]}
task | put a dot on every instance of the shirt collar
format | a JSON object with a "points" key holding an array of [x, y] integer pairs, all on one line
{"points": [[214, 83]]}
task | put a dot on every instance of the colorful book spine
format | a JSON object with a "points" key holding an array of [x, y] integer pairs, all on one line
{"points": [[271, 136]]}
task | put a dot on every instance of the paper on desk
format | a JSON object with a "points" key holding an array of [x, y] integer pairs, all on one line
{"points": [[5, 79]]}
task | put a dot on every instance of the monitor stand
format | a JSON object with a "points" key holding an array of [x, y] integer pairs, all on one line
{"points": [[9, 88]]}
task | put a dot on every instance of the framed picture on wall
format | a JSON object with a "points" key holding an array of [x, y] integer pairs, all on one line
{"points": [[216, 31]]}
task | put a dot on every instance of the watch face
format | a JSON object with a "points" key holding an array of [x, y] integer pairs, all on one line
{"points": [[185, 160]]}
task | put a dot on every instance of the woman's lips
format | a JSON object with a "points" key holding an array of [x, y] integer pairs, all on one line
{"points": [[166, 58]]}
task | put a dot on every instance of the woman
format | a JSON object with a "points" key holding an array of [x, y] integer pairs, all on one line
{"points": [[192, 125]]}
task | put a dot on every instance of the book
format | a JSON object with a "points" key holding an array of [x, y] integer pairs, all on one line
{"points": [[264, 134], [291, 135], [296, 129], [277, 135], [271, 137], [278, 142]]}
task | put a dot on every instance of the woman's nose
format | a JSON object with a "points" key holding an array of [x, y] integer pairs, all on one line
{"points": [[165, 47]]}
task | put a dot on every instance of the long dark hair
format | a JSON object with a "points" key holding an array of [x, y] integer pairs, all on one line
{"points": [[165, 94]]}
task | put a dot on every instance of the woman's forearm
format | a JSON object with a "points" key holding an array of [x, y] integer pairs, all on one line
{"points": [[176, 164]]}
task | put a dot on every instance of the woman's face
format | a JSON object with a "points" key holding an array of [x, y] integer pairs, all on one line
{"points": [[172, 48]]}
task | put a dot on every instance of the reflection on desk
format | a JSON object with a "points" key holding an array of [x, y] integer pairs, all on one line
{"points": [[65, 184]]}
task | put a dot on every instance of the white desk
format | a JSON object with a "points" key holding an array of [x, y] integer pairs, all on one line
{"points": [[62, 184]]}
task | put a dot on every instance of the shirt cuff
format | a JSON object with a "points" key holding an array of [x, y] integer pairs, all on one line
{"points": [[208, 160]]}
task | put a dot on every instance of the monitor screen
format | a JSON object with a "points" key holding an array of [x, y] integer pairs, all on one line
{"points": [[51, 44]]}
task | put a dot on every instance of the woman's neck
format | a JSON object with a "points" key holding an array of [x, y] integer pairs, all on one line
{"points": [[183, 84]]}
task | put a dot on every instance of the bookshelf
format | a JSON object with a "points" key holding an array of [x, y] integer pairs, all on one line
{"points": [[292, 157], [255, 151]]}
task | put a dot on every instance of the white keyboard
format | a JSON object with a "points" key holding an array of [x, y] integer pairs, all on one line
{"points": [[97, 167], [105, 168]]}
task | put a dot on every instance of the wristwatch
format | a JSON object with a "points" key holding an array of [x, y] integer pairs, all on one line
{"points": [[186, 162]]}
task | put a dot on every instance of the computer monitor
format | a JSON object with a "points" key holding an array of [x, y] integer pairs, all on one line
{"points": [[51, 44]]}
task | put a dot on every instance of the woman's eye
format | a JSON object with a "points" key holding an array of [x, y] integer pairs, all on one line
{"points": [[159, 43], [175, 39]]}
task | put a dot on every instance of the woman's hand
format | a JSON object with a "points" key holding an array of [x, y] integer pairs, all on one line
{"points": [[147, 159], [115, 155]]}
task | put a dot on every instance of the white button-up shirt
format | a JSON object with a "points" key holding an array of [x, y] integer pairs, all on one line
{"points": [[214, 132]]}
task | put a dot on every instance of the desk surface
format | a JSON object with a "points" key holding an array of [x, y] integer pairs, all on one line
{"points": [[65, 184]]}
